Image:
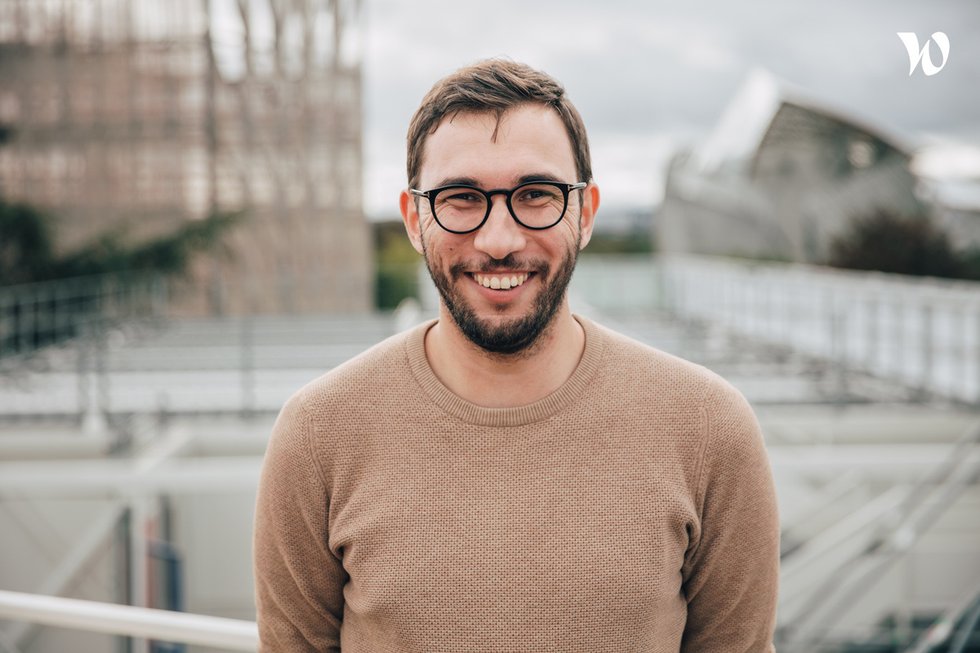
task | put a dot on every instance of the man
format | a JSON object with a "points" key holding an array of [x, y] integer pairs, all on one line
{"points": [[511, 477]]}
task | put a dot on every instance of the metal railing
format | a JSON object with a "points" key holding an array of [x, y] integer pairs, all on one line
{"points": [[921, 332], [150, 623], [36, 315]]}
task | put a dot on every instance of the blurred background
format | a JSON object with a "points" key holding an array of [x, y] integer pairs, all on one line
{"points": [[198, 215]]}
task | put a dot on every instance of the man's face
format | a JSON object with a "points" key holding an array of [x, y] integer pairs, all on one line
{"points": [[527, 270]]}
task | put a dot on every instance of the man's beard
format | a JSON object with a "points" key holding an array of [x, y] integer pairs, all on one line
{"points": [[519, 334]]}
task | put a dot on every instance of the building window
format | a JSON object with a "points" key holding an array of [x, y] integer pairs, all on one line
{"points": [[860, 153]]}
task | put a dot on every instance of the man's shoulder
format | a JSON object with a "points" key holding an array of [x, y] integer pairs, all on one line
{"points": [[635, 362], [657, 383]]}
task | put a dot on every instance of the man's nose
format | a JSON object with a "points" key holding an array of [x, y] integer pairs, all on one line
{"points": [[500, 235]]}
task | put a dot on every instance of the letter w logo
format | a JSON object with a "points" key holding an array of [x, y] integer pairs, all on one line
{"points": [[916, 55]]}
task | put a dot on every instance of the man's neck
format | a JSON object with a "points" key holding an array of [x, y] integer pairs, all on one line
{"points": [[505, 381]]}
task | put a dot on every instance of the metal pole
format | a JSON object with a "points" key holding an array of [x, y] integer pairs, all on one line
{"points": [[925, 382], [138, 563], [872, 334], [92, 616], [976, 359], [899, 340], [247, 359], [964, 354]]}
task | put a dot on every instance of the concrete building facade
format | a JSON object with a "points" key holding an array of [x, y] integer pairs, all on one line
{"points": [[135, 116]]}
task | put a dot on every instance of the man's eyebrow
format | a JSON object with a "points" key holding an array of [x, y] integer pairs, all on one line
{"points": [[470, 181], [537, 176], [461, 181]]}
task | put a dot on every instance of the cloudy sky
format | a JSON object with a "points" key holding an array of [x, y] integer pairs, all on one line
{"points": [[650, 76]]}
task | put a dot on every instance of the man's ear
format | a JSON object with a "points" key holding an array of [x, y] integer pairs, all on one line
{"points": [[410, 216], [590, 205]]}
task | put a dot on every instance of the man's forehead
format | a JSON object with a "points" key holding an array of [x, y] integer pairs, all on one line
{"points": [[530, 130], [498, 122], [492, 120]]}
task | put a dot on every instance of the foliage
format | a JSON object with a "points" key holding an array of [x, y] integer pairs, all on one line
{"points": [[970, 259], [27, 252], [632, 243], [913, 245], [169, 254], [27, 255], [396, 274]]}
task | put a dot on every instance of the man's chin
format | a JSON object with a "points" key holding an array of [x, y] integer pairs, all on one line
{"points": [[496, 329], [504, 336]]}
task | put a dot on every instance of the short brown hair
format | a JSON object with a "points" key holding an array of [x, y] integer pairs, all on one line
{"points": [[494, 86]]}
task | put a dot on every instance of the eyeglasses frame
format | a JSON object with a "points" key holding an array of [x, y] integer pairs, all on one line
{"points": [[507, 193]]}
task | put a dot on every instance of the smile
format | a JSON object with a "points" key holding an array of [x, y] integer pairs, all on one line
{"points": [[501, 281]]}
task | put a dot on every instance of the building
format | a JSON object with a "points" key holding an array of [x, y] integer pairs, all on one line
{"points": [[780, 176], [136, 116]]}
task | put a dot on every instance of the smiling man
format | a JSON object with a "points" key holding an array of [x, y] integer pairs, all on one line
{"points": [[511, 476]]}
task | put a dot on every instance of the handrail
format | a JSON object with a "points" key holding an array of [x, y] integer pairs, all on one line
{"points": [[218, 632], [891, 326]]}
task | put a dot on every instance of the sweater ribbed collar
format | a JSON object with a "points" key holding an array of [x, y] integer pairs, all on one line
{"points": [[518, 415]]}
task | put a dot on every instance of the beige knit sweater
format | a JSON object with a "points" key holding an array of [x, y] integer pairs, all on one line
{"points": [[630, 510]]}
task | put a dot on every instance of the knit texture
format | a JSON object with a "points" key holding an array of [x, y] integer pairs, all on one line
{"points": [[630, 510]]}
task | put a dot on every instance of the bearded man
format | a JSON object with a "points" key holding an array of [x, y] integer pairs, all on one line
{"points": [[511, 476]]}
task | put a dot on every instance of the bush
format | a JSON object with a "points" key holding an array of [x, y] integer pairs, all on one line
{"points": [[26, 251], [397, 263], [887, 242]]}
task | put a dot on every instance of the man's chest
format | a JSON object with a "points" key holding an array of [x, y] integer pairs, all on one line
{"points": [[516, 536]]}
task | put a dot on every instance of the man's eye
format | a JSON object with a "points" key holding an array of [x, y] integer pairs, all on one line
{"points": [[536, 195], [463, 197]]}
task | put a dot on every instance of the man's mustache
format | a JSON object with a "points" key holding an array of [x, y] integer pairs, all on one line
{"points": [[491, 265]]}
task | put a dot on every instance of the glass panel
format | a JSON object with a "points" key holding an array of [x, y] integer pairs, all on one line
{"points": [[460, 208], [538, 205]]}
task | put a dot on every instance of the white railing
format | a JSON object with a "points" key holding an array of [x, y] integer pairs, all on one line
{"points": [[921, 332], [149, 623]]}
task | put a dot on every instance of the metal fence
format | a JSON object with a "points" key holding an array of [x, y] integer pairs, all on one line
{"points": [[921, 332], [36, 315]]}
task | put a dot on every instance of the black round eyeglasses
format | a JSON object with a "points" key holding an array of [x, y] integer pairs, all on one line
{"points": [[536, 204]]}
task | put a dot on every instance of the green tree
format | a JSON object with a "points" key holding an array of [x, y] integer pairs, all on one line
{"points": [[26, 252], [169, 254], [27, 248], [396, 274]]}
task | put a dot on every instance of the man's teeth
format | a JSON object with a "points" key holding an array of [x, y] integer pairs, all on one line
{"points": [[498, 282]]}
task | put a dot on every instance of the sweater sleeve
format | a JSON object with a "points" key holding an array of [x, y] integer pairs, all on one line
{"points": [[731, 571], [298, 580]]}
